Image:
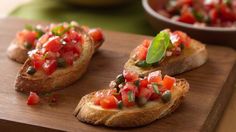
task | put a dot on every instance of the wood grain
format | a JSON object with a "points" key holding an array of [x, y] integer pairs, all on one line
{"points": [[211, 87]]}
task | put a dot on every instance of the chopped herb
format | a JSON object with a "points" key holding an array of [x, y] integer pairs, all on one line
{"points": [[155, 88], [120, 104], [59, 30], [29, 27], [130, 96], [137, 83]]}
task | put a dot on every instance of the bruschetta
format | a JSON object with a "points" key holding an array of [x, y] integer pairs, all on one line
{"points": [[25, 41], [60, 58], [132, 101], [171, 52], [27, 38]]}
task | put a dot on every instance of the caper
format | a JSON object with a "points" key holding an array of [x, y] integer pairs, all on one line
{"points": [[166, 96], [61, 62], [141, 101], [120, 79], [31, 70], [28, 45], [142, 64]]}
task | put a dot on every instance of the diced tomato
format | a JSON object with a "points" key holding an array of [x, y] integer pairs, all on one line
{"points": [[145, 92], [98, 97], [43, 39], [155, 77], [69, 57], [50, 66], [75, 37], [154, 96], [27, 36], [186, 2], [130, 76], [186, 15], [141, 52], [125, 99], [213, 16], [226, 13], [143, 83], [96, 34], [53, 44], [168, 82], [130, 87], [109, 102], [37, 61], [146, 43], [33, 99], [184, 38]]}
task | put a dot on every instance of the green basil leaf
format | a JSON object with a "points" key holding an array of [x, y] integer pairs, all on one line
{"points": [[155, 88], [158, 47], [130, 96]]}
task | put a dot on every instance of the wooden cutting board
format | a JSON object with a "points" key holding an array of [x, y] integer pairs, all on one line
{"points": [[211, 87]]}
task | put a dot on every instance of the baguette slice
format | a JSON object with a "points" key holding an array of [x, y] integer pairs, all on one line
{"points": [[190, 58], [62, 77], [87, 112]]}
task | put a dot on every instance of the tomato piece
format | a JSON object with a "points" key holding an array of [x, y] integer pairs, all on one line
{"points": [[33, 99], [184, 38], [69, 57], [53, 44], [141, 52], [226, 13], [75, 37], [125, 99], [109, 102], [50, 66], [130, 87], [168, 82], [155, 96], [213, 16], [43, 39], [145, 92], [27, 36], [143, 83], [146, 43], [96, 34], [98, 97], [186, 15], [186, 2], [155, 77], [37, 61], [130, 76]]}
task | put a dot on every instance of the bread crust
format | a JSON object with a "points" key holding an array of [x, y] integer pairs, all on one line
{"points": [[17, 52], [189, 59], [87, 112], [62, 77]]}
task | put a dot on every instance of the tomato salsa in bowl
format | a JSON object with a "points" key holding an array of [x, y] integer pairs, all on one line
{"points": [[215, 32]]}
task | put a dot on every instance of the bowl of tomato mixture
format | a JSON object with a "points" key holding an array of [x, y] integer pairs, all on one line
{"points": [[210, 21]]}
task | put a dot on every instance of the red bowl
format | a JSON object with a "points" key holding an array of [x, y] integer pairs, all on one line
{"points": [[211, 35]]}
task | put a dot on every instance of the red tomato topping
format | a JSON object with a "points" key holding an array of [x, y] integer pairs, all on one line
{"points": [[50, 66], [141, 52], [27, 36], [184, 38], [130, 76], [130, 87], [168, 82], [96, 34], [33, 99], [143, 83], [109, 102], [125, 99], [53, 44], [155, 77], [146, 43], [145, 92]]}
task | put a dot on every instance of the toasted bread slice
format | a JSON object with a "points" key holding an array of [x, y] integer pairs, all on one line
{"points": [[190, 58], [62, 77], [87, 112], [17, 52]]}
